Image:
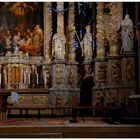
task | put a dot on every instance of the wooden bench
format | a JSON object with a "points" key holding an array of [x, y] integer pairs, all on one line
{"points": [[73, 114]]}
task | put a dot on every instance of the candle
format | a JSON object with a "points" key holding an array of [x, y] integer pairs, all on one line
{"points": [[29, 77], [0, 79], [45, 78], [37, 78]]}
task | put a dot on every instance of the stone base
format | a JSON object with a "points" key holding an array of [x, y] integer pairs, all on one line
{"points": [[64, 97]]}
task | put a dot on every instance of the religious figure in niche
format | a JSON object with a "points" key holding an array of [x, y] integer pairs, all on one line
{"points": [[127, 34], [59, 41], [87, 44]]}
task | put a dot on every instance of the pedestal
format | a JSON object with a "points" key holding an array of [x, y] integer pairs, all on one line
{"points": [[59, 92], [64, 91], [100, 81], [128, 74]]}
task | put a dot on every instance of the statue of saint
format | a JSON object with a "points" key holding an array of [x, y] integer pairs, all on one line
{"points": [[87, 44], [127, 34], [59, 41]]}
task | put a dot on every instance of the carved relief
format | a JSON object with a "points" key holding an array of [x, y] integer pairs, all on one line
{"points": [[98, 99], [102, 72], [58, 75], [115, 71], [129, 70], [112, 97], [59, 101], [32, 100], [71, 77]]}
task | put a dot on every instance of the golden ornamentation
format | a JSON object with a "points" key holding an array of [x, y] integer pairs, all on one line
{"points": [[59, 101], [102, 72], [71, 37], [116, 72], [98, 99], [48, 31], [114, 34], [100, 25], [112, 97], [32, 100], [100, 52], [129, 70]]}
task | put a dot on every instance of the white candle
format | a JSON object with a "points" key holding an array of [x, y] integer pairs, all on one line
{"points": [[0, 79], [45, 78], [29, 77], [37, 77]]}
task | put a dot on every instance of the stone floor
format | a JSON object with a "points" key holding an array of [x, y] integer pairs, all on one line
{"points": [[89, 121], [92, 127]]}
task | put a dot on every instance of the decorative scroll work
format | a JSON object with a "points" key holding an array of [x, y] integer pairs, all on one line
{"points": [[32, 100], [102, 72], [71, 38], [47, 31], [114, 36], [116, 71], [100, 30], [129, 70]]}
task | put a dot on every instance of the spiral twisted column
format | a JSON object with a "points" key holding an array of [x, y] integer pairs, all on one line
{"points": [[114, 34], [47, 31], [71, 37], [100, 30]]}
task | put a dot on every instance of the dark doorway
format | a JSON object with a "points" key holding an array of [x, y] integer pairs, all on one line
{"points": [[86, 94]]}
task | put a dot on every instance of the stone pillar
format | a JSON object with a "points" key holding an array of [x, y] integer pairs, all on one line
{"points": [[100, 30], [72, 64], [47, 32], [59, 92], [101, 81]]}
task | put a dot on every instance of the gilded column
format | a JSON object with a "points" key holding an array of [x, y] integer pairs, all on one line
{"points": [[114, 34], [100, 30], [47, 31], [71, 38]]}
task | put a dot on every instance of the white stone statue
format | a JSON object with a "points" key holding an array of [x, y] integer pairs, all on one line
{"points": [[127, 34], [87, 44], [58, 45]]}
